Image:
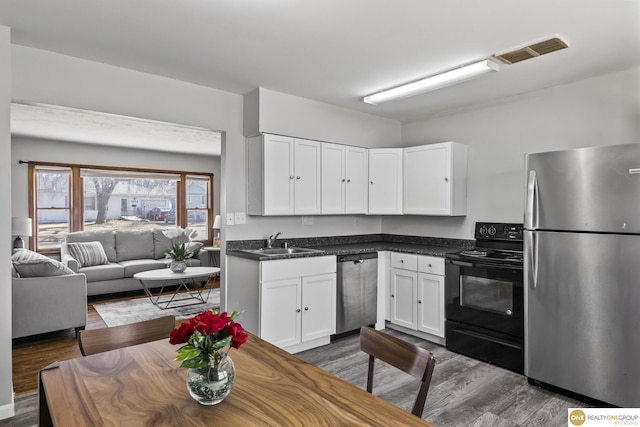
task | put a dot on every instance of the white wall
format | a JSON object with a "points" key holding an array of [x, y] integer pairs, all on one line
{"points": [[51, 78], [6, 382], [282, 114], [599, 111], [68, 152]]}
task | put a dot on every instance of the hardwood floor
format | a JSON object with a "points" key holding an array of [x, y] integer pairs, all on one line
{"points": [[30, 354], [464, 391]]}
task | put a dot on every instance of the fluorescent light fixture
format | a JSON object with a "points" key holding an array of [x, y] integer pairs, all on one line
{"points": [[434, 82]]}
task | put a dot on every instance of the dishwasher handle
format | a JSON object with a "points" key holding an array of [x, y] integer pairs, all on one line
{"points": [[357, 258]]}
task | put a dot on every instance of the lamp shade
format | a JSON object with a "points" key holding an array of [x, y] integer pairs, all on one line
{"points": [[21, 226], [217, 223]]}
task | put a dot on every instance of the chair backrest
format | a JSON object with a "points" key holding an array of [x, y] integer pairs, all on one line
{"points": [[94, 341], [407, 357]]}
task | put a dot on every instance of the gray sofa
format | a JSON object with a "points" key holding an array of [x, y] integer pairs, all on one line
{"points": [[47, 304], [45, 295], [128, 252]]}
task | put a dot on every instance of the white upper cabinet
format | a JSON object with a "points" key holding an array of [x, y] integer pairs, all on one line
{"points": [[307, 161], [385, 181], [435, 179], [357, 180], [344, 179], [283, 176]]}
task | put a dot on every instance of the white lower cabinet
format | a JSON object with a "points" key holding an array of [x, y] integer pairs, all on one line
{"points": [[431, 304], [417, 293], [404, 293], [279, 314], [298, 312]]}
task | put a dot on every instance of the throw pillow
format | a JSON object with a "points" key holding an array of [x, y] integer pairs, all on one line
{"points": [[42, 268], [32, 264], [194, 247], [88, 253]]}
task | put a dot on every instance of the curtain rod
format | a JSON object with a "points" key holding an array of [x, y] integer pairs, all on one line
{"points": [[66, 165]]}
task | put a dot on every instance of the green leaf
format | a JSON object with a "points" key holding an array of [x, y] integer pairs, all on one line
{"points": [[199, 362], [217, 345], [188, 352], [235, 314]]}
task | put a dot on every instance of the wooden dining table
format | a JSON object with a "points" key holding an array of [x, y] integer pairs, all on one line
{"points": [[144, 386]]}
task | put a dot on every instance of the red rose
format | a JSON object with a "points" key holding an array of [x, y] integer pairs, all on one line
{"points": [[210, 323], [181, 334], [237, 333]]}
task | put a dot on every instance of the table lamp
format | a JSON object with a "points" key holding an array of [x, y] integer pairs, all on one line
{"points": [[20, 227], [217, 223]]}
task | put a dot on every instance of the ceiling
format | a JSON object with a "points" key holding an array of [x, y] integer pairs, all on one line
{"points": [[338, 51], [90, 127]]}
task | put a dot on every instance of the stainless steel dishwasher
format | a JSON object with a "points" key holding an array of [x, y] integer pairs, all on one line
{"points": [[357, 299]]}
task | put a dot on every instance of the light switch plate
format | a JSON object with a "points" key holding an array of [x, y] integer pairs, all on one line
{"points": [[241, 218], [230, 218]]}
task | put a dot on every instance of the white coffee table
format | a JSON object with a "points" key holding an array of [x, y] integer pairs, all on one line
{"points": [[186, 278]]}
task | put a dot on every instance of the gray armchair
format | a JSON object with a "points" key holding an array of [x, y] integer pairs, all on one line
{"points": [[47, 304]]}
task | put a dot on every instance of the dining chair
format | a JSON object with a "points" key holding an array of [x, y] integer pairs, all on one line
{"points": [[92, 341], [407, 357]]}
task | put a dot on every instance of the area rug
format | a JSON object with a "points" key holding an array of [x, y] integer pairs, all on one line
{"points": [[138, 309]]}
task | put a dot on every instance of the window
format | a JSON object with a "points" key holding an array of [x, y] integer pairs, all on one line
{"points": [[111, 198], [53, 208], [198, 210]]}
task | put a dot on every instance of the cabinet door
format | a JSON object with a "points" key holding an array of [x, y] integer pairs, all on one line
{"points": [[427, 171], [333, 178], [431, 304], [280, 312], [385, 181], [278, 184], [357, 173], [403, 298], [318, 306], [307, 177]]}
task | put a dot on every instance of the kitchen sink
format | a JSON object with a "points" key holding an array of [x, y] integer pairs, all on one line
{"points": [[280, 251]]}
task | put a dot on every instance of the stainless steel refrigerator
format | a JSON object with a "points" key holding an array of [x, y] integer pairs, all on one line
{"points": [[582, 271]]}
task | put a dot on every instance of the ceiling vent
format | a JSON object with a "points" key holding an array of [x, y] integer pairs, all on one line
{"points": [[532, 51]]}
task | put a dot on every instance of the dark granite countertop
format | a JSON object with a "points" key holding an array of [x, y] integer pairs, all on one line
{"points": [[349, 245]]}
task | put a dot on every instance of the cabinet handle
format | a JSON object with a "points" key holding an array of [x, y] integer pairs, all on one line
{"points": [[343, 179], [291, 177], [446, 180], [430, 266], [297, 177], [297, 310], [348, 180], [393, 296], [371, 182], [306, 309], [401, 261], [419, 301]]}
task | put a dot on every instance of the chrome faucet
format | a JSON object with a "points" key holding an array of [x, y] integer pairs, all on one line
{"points": [[272, 239]]}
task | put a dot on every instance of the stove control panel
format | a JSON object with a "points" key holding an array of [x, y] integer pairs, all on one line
{"points": [[499, 231]]}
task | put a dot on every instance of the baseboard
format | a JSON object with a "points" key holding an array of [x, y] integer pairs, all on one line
{"points": [[8, 410]]}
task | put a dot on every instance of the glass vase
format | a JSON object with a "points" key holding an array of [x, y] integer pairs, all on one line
{"points": [[178, 266], [211, 384]]}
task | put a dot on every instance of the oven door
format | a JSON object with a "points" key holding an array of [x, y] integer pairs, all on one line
{"points": [[485, 295]]}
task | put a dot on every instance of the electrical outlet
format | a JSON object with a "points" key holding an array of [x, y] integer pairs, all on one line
{"points": [[230, 218], [241, 218], [307, 220]]}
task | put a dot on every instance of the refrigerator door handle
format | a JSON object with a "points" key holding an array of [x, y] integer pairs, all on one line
{"points": [[531, 207], [532, 258]]}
